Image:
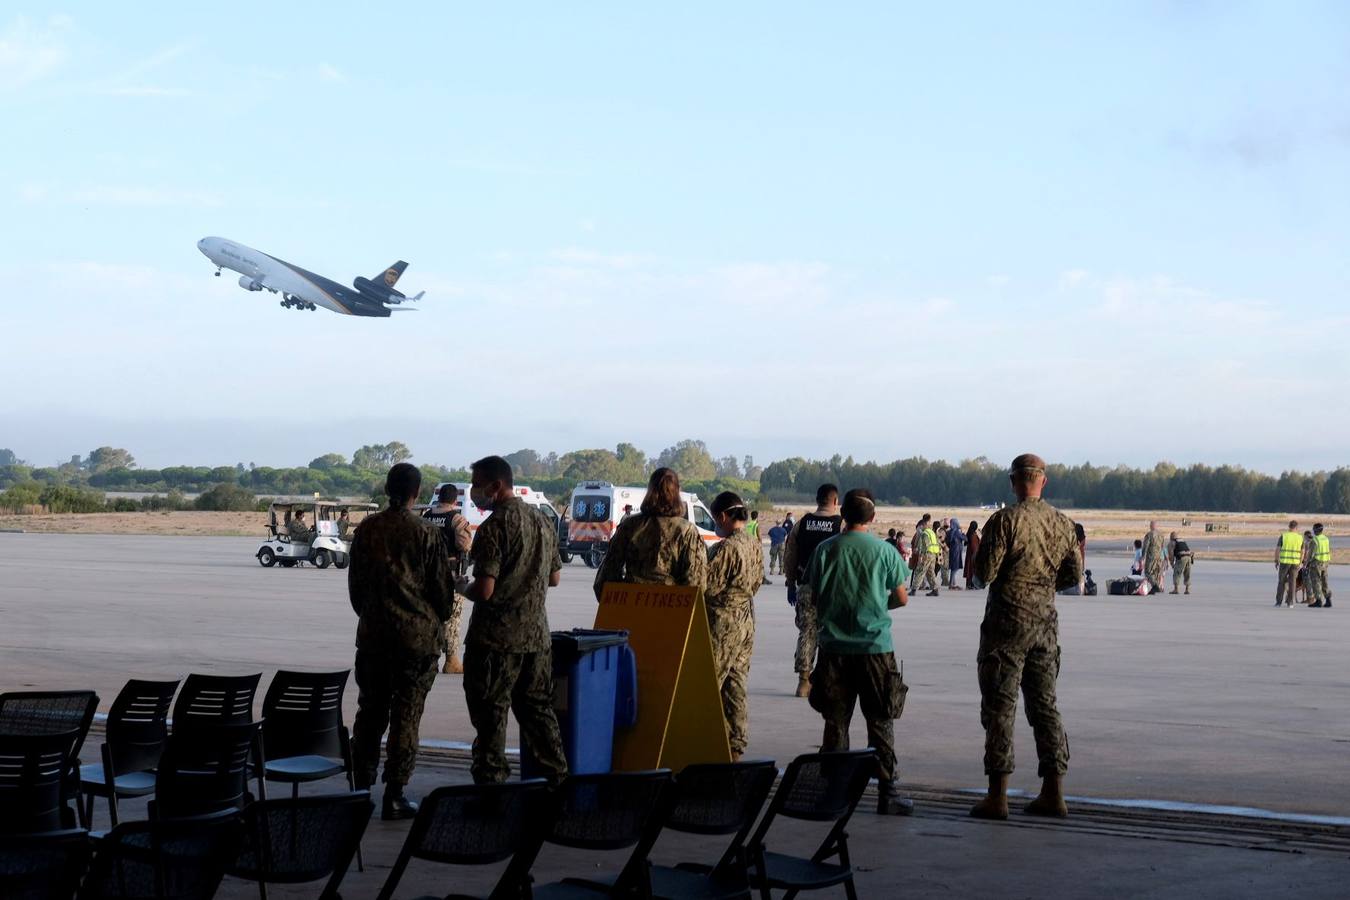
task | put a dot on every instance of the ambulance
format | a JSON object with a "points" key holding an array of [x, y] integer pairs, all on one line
{"points": [[475, 516], [597, 508]]}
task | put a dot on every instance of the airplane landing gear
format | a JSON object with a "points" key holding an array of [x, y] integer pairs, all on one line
{"points": [[217, 273]]}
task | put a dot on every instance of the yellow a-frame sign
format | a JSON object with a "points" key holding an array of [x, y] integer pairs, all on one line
{"points": [[679, 712]]}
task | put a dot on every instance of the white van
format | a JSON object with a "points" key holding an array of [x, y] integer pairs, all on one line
{"points": [[597, 508], [475, 516]]}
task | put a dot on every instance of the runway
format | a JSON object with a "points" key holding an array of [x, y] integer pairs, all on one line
{"points": [[1214, 699]]}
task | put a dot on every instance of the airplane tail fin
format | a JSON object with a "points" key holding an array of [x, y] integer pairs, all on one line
{"points": [[390, 276]]}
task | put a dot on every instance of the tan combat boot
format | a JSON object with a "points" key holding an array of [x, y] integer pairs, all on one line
{"points": [[1050, 802], [995, 804], [452, 666], [803, 684]]}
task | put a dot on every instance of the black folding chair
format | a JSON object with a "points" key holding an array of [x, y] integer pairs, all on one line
{"points": [[216, 699], [170, 859], [817, 787], [136, 732], [715, 799], [477, 825], [613, 811], [205, 769], [33, 770], [43, 866], [303, 735], [53, 712], [294, 841]]}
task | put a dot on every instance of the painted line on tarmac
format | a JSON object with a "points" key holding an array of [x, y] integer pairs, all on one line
{"points": [[1178, 806]]}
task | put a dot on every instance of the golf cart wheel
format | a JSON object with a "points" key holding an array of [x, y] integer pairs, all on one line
{"points": [[287, 563], [340, 560], [564, 556], [595, 558], [321, 559], [266, 558]]}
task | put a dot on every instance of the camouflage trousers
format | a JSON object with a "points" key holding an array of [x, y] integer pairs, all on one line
{"points": [[733, 639], [776, 558], [870, 681], [1181, 573], [1016, 655], [925, 576], [1153, 571], [451, 636], [392, 688], [1287, 584], [1316, 579], [495, 683], [805, 657]]}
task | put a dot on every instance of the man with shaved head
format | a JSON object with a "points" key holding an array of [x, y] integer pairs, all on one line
{"points": [[1027, 553]]}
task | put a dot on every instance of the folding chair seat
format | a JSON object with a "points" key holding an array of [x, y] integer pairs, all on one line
{"points": [[817, 787], [135, 734], [43, 866], [168, 859]]}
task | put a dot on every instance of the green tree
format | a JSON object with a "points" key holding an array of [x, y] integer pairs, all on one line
{"points": [[328, 461], [226, 497], [105, 458], [690, 459], [8, 457], [374, 457]]}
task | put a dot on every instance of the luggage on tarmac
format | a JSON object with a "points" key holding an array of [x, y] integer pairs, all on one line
{"points": [[1129, 586]]}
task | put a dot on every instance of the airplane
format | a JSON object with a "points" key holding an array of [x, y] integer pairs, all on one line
{"points": [[301, 289]]}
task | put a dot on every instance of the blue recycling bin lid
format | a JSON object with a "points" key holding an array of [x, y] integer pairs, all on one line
{"points": [[574, 644]]}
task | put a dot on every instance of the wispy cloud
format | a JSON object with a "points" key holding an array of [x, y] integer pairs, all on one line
{"points": [[29, 53], [142, 196], [132, 81]]}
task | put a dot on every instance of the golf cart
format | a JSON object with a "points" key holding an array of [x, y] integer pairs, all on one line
{"points": [[322, 541]]}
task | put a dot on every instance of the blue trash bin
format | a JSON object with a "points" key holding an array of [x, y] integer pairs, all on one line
{"points": [[594, 689]]}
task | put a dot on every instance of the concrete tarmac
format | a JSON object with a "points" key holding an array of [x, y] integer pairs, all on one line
{"points": [[1216, 699]]}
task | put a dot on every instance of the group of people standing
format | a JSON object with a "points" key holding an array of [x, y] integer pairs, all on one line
{"points": [[1154, 555], [842, 580]]}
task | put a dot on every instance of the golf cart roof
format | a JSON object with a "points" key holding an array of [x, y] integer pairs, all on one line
{"points": [[322, 504]]}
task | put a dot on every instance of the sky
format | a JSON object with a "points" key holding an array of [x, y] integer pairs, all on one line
{"points": [[1107, 232]]}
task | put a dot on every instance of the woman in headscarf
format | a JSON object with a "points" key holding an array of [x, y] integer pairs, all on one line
{"points": [[658, 545], [956, 562], [972, 547]]}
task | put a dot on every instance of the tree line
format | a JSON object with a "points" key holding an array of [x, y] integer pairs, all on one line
{"points": [[975, 482], [78, 485]]}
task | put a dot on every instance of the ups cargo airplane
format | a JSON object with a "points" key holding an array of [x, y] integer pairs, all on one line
{"points": [[300, 289]]}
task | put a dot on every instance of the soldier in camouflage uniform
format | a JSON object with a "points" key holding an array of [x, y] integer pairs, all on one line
{"points": [[856, 579], [400, 585], [657, 545], [1028, 551], [508, 656], [1155, 557], [455, 531], [929, 548], [298, 531], [809, 533], [1181, 558], [735, 573]]}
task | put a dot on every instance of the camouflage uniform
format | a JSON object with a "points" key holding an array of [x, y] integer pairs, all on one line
{"points": [[455, 532], [508, 658], [1155, 554], [805, 611], [400, 585], [299, 532], [648, 549], [735, 573], [1179, 552], [1026, 553], [1318, 588]]}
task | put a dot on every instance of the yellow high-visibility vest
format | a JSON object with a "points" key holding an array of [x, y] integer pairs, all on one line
{"points": [[931, 542], [1322, 548], [1291, 548]]}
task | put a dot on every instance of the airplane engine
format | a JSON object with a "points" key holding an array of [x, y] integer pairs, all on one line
{"points": [[249, 284]]}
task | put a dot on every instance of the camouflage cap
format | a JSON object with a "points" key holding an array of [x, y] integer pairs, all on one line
{"points": [[1027, 462]]}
